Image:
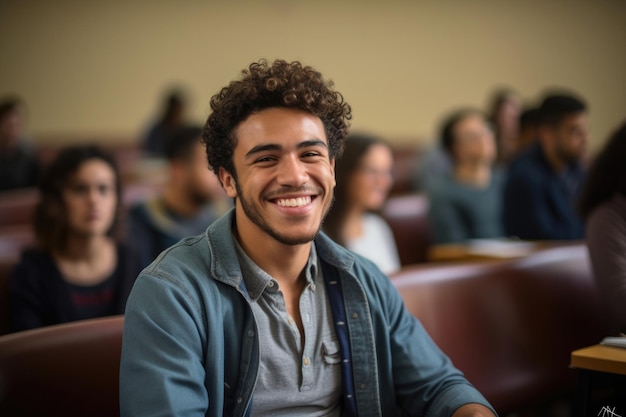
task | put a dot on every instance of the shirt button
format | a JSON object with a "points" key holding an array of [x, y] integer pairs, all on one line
{"points": [[355, 315], [239, 400], [363, 386], [271, 284], [251, 333], [307, 362], [312, 287]]}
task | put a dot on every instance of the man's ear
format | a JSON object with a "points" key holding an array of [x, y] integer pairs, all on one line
{"points": [[228, 182]]}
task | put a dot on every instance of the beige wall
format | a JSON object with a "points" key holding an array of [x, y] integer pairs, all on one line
{"points": [[99, 67]]}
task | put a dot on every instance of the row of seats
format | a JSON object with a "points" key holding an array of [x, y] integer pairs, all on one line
{"points": [[406, 215], [509, 326]]}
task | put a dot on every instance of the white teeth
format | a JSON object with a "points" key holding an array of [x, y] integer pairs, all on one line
{"points": [[294, 202]]}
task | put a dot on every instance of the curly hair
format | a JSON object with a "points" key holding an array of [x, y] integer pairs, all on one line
{"points": [[607, 174], [265, 85]]}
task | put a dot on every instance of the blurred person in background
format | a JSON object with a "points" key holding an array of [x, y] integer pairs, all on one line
{"points": [[192, 198], [528, 129], [19, 164], [79, 270], [543, 182], [466, 204], [171, 117], [603, 206], [503, 114], [363, 175]]}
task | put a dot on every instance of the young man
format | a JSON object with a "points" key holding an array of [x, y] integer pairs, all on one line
{"points": [[192, 198], [264, 315], [543, 182]]}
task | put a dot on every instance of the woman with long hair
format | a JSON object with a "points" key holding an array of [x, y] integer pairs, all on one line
{"points": [[363, 182], [78, 270]]}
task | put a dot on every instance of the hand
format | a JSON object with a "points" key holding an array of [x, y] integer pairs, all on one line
{"points": [[473, 410]]}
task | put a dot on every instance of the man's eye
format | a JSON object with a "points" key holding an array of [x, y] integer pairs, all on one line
{"points": [[311, 153], [264, 159]]}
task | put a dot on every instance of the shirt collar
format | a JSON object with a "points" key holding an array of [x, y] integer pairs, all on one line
{"points": [[257, 280]]}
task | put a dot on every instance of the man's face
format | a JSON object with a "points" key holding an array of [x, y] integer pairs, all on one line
{"points": [[571, 136], [284, 176], [201, 183]]}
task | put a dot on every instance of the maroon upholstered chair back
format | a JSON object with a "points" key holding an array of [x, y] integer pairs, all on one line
{"points": [[407, 217], [64, 370], [510, 326]]}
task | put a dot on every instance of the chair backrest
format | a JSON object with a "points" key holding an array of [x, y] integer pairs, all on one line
{"points": [[66, 370], [407, 217], [510, 326], [18, 206]]}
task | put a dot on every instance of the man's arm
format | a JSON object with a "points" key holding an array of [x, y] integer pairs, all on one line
{"points": [[161, 372]]}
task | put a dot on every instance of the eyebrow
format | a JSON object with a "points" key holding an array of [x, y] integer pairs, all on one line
{"points": [[274, 147]]}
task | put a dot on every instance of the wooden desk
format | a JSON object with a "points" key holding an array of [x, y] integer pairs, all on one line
{"points": [[491, 249], [495, 250], [600, 366], [600, 358]]}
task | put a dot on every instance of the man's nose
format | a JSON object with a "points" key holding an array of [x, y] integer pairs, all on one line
{"points": [[292, 171]]}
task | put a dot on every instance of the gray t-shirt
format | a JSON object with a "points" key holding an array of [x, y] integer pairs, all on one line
{"points": [[296, 377]]}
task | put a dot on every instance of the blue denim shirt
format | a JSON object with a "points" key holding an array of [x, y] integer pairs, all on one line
{"points": [[190, 345]]}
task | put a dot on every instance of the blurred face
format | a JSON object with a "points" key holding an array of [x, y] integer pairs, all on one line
{"points": [[90, 199], [571, 137], [370, 183], [284, 177], [474, 141], [508, 116], [201, 183], [11, 127]]}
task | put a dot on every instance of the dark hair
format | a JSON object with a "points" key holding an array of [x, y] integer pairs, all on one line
{"points": [[607, 174], [173, 102], [8, 105], [264, 85], [555, 107], [355, 147], [447, 127], [50, 223], [529, 117], [180, 142]]}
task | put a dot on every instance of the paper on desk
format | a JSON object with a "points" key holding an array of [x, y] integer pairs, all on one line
{"points": [[501, 248], [617, 341]]}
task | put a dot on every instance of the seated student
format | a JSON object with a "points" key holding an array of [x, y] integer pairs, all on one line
{"points": [[603, 206], [543, 182], [466, 204], [263, 315], [364, 179], [172, 116], [191, 199], [19, 164], [528, 124], [79, 270], [503, 114]]}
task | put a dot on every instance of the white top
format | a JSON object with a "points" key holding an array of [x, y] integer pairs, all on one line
{"points": [[377, 243]]}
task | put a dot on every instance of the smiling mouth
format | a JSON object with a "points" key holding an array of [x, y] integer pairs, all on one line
{"points": [[294, 202]]}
